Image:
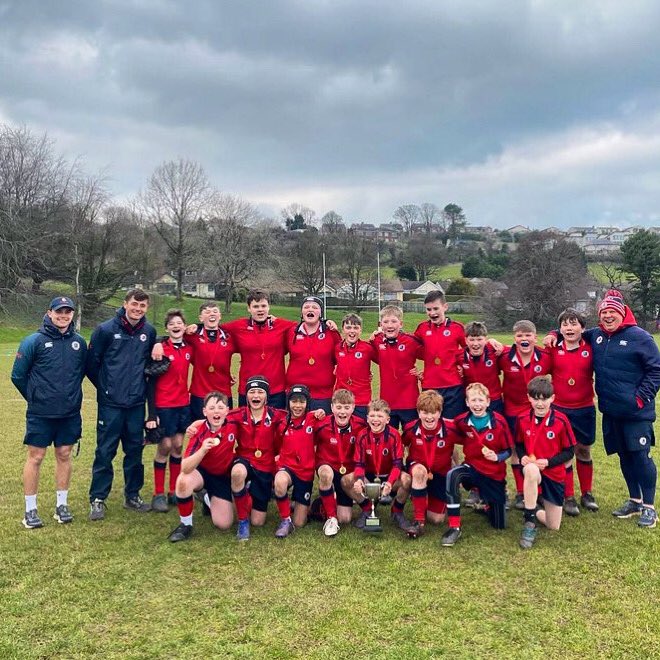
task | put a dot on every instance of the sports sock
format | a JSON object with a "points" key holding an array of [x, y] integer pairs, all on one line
{"points": [[585, 472], [61, 497], [518, 477], [283, 506], [569, 486], [418, 496], [397, 507], [185, 506], [207, 500], [329, 502], [175, 471], [159, 478], [529, 515], [30, 502], [454, 515], [365, 505], [243, 504]]}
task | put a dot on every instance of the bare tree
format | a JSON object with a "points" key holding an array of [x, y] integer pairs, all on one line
{"points": [[297, 216], [177, 198], [357, 264], [430, 217], [425, 256], [332, 223], [302, 262], [612, 272], [408, 215], [236, 247]]}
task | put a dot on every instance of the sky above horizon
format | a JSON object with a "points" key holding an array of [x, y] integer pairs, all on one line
{"points": [[522, 112]]}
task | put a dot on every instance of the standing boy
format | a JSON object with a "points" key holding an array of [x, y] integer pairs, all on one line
{"points": [[118, 352], [48, 372]]}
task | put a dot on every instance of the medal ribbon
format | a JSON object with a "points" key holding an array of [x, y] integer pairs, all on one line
{"points": [[336, 431], [376, 455], [434, 445], [525, 369], [536, 429]]}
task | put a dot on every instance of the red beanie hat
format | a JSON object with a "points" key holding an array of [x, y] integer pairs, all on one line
{"points": [[615, 303]]}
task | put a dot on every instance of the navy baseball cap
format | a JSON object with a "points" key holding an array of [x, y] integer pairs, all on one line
{"points": [[63, 301]]}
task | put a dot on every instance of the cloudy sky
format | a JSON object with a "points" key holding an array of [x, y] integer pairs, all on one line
{"points": [[534, 112]]}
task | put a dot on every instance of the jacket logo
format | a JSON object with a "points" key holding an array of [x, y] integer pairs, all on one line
{"points": [[333, 441], [599, 340], [171, 357], [642, 440], [143, 337], [117, 335], [75, 345], [48, 344], [342, 354], [623, 342], [429, 333]]}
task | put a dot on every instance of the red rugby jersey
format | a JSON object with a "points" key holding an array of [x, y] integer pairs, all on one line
{"points": [[442, 343], [212, 353], [335, 445], [312, 359], [484, 369], [395, 359], [495, 436], [379, 453], [572, 375], [262, 347], [218, 459], [353, 371], [432, 448], [296, 440], [516, 376], [257, 442], [172, 386], [546, 439]]}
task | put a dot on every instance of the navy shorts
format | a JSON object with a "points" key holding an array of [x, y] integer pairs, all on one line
{"points": [[57, 431], [436, 487], [277, 400], [401, 416], [197, 407], [490, 490], [323, 404], [454, 400], [301, 490], [342, 498], [361, 412], [173, 420], [259, 483], [583, 423], [217, 485], [621, 435], [512, 420], [552, 491], [497, 405]]}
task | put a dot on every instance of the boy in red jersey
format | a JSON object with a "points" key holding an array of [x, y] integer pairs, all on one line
{"points": [[430, 441], [254, 427], [261, 341], [487, 444], [396, 353], [168, 404], [311, 346], [544, 444], [379, 458], [572, 379], [206, 464], [295, 463], [479, 363], [443, 340], [520, 363], [335, 438], [353, 357]]}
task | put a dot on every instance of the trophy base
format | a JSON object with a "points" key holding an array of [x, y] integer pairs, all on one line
{"points": [[372, 525]]}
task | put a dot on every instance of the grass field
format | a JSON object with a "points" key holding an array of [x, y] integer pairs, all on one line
{"points": [[118, 589]]}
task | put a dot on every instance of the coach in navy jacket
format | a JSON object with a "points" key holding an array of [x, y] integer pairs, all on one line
{"points": [[117, 355], [627, 369], [48, 372]]}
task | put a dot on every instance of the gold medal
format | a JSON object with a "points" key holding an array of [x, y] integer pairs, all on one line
{"points": [[437, 360], [263, 356], [312, 360], [532, 457], [429, 475], [258, 453], [571, 381], [342, 469], [211, 369]]}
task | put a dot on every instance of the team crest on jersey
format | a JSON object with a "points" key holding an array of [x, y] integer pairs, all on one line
{"points": [[143, 337], [368, 452], [429, 332], [309, 429], [75, 345], [440, 444], [333, 441], [386, 451], [446, 333], [358, 355], [599, 340], [489, 436], [537, 369], [489, 363], [267, 421], [402, 347], [321, 335], [187, 356], [528, 432], [231, 437], [585, 353], [352, 440], [223, 343], [550, 435]]}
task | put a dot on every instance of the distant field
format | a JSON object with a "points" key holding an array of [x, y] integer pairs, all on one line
{"points": [[446, 272]]}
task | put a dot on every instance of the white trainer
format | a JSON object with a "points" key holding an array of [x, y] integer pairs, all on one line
{"points": [[331, 527]]}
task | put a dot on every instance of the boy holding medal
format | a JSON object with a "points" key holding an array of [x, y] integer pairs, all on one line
{"points": [[487, 444], [335, 438], [206, 464], [544, 444], [430, 441], [379, 459]]}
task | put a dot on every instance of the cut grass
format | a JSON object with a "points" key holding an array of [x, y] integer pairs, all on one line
{"points": [[118, 589]]}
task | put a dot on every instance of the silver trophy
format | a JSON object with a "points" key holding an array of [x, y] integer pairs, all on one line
{"points": [[372, 492]]}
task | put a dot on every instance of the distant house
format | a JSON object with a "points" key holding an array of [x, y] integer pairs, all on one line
{"points": [[165, 285], [414, 288], [364, 230], [601, 246], [366, 292], [198, 284], [391, 290], [518, 229]]}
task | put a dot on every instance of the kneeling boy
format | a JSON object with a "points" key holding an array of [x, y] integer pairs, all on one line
{"points": [[544, 444]]}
